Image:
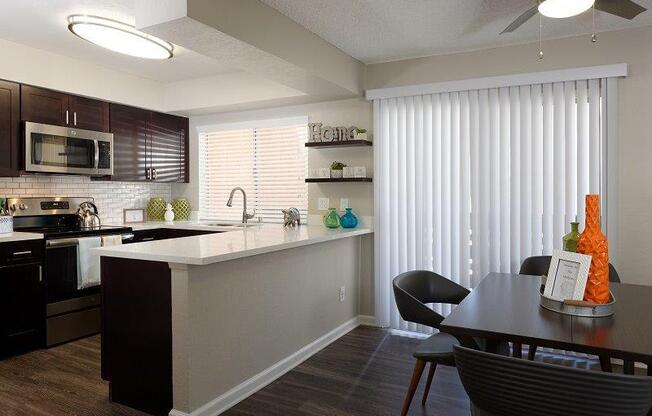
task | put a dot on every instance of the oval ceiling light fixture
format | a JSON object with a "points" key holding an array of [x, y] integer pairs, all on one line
{"points": [[119, 37], [564, 8]]}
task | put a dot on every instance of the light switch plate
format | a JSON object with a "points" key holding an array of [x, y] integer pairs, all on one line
{"points": [[344, 204], [323, 204]]}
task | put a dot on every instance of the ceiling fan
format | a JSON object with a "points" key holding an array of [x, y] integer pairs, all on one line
{"points": [[567, 8]]}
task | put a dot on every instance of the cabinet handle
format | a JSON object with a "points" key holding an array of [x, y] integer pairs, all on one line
{"points": [[147, 173], [74, 118], [40, 273], [153, 174], [22, 253], [67, 117]]}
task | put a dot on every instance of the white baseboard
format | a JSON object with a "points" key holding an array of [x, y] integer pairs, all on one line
{"points": [[247, 388]]}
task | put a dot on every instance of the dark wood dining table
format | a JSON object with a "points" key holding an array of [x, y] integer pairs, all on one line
{"points": [[505, 307]]}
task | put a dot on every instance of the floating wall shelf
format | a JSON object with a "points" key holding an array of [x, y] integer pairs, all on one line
{"points": [[335, 180], [347, 143]]}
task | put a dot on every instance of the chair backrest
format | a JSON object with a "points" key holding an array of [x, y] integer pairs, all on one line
{"points": [[414, 289], [539, 265], [506, 386]]}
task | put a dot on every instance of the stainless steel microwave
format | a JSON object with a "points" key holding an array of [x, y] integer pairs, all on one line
{"points": [[56, 149]]}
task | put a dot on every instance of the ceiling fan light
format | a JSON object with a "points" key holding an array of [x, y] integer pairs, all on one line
{"points": [[119, 37], [558, 9]]}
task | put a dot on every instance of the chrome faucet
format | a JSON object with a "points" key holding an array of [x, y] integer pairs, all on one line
{"points": [[229, 203]]}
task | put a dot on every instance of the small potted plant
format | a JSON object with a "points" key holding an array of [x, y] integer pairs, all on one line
{"points": [[336, 170], [361, 134]]}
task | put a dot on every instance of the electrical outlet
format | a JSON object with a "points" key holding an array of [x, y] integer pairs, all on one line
{"points": [[323, 204], [344, 204], [342, 293]]}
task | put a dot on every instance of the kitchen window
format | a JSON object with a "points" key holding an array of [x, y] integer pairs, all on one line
{"points": [[268, 159]]}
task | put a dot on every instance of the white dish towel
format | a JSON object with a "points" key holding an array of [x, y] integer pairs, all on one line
{"points": [[111, 240], [88, 265]]}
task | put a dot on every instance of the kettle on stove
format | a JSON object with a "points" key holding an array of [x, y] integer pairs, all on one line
{"points": [[88, 218]]}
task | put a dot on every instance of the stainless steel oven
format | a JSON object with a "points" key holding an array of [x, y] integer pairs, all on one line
{"points": [[56, 149]]}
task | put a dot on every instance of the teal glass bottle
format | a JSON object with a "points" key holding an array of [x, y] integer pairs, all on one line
{"points": [[348, 220], [331, 219]]}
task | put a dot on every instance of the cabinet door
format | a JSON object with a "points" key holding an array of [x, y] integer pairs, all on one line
{"points": [[130, 144], [168, 147], [89, 114], [44, 106], [22, 308], [9, 128]]}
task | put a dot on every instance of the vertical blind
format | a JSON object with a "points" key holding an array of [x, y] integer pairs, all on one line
{"points": [[269, 163], [472, 182]]}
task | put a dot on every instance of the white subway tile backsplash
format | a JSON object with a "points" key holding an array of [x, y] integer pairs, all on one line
{"points": [[110, 197]]}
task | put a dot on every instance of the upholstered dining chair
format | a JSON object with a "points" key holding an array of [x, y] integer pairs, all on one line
{"points": [[412, 291], [507, 386], [539, 265]]}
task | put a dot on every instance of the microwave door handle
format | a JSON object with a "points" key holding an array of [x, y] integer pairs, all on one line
{"points": [[97, 155]]}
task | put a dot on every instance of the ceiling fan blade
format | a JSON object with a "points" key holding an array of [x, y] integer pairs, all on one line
{"points": [[623, 8], [520, 20]]}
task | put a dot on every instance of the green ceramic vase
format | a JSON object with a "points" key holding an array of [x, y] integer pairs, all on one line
{"points": [[331, 219], [181, 208], [570, 239], [156, 209]]}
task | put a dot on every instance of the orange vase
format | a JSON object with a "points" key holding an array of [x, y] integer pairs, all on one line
{"points": [[594, 243]]}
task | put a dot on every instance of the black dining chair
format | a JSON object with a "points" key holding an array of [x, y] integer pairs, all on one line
{"points": [[412, 291], [539, 265], [507, 386]]}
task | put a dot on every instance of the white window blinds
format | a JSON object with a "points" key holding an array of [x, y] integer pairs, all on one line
{"points": [[473, 182], [269, 163]]}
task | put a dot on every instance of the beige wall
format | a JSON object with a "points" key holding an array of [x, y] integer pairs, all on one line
{"points": [[352, 112], [234, 319], [633, 47]]}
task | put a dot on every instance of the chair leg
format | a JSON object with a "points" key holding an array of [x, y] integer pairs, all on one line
{"points": [[416, 376], [629, 367], [431, 373], [605, 363], [532, 352], [517, 349]]}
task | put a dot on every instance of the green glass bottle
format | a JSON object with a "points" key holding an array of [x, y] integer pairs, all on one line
{"points": [[332, 220], [570, 239]]}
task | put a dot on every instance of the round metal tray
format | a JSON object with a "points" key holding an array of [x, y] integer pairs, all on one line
{"points": [[595, 311]]}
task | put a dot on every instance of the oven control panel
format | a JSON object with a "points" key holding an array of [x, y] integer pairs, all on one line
{"points": [[50, 205], [23, 207]]}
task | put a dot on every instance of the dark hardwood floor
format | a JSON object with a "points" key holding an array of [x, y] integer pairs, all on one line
{"points": [[366, 372], [64, 380]]}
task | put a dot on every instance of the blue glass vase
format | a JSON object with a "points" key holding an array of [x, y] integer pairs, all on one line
{"points": [[348, 220]]}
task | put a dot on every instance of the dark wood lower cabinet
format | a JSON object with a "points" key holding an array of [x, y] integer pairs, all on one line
{"points": [[136, 299], [22, 302]]}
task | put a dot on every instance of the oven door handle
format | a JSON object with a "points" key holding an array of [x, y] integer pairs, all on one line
{"points": [[64, 242], [71, 242]]}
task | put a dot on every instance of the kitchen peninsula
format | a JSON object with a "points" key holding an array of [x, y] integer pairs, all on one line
{"points": [[193, 325]]}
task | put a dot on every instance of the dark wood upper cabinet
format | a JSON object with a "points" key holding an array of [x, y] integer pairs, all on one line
{"points": [[130, 140], [40, 105], [168, 146], [148, 146], [9, 128], [44, 106], [89, 114]]}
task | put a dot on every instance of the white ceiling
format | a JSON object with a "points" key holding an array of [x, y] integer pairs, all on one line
{"points": [[375, 31], [42, 24]]}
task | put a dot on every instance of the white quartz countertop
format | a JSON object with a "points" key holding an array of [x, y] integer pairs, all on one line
{"points": [[16, 236], [231, 244]]}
